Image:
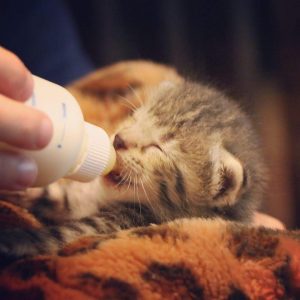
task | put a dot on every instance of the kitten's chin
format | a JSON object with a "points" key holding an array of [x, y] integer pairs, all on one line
{"points": [[112, 190]]}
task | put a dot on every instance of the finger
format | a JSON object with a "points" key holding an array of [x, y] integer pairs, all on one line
{"points": [[261, 219], [17, 172], [16, 81], [22, 126]]}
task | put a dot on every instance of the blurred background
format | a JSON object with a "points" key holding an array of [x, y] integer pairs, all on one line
{"points": [[250, 49]]}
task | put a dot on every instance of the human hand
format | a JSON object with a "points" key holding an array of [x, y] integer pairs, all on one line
{"points": [[261, 219], [20, 125]]}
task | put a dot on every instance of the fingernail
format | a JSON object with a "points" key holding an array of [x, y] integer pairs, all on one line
{"points": [[26, 92], [45, 133], [26, 173]]}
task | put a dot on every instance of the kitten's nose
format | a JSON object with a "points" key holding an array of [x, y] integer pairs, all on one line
{"points": [[119, 143]]}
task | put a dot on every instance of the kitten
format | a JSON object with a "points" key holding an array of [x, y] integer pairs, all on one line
{"points": [[188, 151]]}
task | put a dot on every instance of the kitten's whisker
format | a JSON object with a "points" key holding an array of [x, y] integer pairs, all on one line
{"points": [[129, 181], [136, 95], [129, 107], [154, 191], [134, 191], [137, 193], [146, 195], [150, 184], [122, 180], [130, 104], [125, 175]]}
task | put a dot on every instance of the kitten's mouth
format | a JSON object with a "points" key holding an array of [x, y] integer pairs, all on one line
{"points": [[118, 176], [114, 177]]}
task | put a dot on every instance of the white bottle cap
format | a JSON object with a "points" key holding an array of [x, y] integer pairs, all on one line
{"points": [[99, 156]]}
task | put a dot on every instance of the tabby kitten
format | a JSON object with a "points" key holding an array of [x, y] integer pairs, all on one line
{"points": [[188, 151]]}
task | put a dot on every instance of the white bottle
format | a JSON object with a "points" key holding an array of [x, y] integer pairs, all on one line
{"points": [[78, 150]]}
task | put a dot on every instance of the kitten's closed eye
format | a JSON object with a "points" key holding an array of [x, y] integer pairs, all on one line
{"points": [[120, 144], [152, 145]]}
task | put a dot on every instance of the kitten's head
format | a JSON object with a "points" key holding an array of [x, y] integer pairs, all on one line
{"points": [[188, 151]]}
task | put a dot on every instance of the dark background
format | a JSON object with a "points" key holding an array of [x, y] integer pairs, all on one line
{"points": [[250, 49]]}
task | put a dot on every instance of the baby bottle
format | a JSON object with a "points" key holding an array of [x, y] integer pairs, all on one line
{"points": [[78, 150]]}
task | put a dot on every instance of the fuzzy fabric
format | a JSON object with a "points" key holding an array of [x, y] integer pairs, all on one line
{"points": [[186, 259]]}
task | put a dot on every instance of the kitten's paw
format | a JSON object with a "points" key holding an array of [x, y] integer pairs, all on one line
{"points": [[7, 250], [24, 199], [19, 243], [48, 203]]}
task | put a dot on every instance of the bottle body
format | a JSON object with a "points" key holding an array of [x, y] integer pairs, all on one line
{"points": [[77, 149]]}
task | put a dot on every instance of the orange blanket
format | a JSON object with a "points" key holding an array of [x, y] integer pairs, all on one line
{"points": [[188, 259]]}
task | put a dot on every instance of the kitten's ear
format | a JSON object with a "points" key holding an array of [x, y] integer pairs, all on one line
{"points": [[228, 177]]}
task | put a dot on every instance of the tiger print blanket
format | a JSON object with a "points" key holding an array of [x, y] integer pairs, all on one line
{"points": [[187, 259]]}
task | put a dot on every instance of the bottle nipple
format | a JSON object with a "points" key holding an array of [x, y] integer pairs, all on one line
{"points": [[111, 162], [99, 156]]}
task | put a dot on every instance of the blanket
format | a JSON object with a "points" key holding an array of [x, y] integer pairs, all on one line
{"points": [[183, 259]]}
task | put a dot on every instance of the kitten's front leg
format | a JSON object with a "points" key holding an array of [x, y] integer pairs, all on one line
{"points": [[61, 201], [19, 242], [23, 198]]}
